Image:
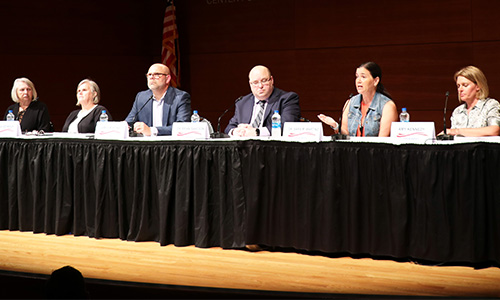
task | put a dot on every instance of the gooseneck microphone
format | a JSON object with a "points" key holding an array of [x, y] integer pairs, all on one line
{"points": [[132, 133], [445, 136], [218, 134], [339, 135]]}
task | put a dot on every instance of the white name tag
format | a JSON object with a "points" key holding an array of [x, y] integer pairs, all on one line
{"points": [[310, 131], [413, 130], [10, 128], [111, 130], [189, 131]]}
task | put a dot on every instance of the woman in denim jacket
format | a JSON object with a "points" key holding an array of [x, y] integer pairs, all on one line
{"points": [[371, 112]]}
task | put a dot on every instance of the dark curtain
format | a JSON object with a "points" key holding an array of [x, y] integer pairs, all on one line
{"points": [[433, 202], [174, 193]]}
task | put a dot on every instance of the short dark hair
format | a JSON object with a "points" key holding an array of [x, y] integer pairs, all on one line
{"points": [[66, 283]]}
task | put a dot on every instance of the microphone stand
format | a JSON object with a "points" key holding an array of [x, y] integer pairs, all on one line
{"points": [[445, 136], [131, 132], [218, 134], [339, 136]]}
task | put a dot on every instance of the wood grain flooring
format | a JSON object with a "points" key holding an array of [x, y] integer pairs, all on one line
{"points": [[148, 262]]}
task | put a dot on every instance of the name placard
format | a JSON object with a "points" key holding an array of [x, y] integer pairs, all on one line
{"points": [[10, 129], [309, 131], [189, 131], [111, 130], [413, 130]]}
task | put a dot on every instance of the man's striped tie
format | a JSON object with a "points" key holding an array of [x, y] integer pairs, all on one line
{"points": [[258, 118]]}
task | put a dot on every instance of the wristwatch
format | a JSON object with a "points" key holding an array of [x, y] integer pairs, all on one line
{"points": [[257, 131]]}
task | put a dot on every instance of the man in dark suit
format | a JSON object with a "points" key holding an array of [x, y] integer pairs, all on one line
{"points": [[155, 110], [264, 96]]}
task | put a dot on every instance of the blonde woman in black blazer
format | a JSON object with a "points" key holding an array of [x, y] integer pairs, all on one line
{"points": [[85, 119]]}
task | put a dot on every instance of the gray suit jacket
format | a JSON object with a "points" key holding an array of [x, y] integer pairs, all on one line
{"points": [[176, 108]]}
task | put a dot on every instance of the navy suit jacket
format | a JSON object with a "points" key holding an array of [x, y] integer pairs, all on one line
{"points": [[176, 108], [287, 103]]}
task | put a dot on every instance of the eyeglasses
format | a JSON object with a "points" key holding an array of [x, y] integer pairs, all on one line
{"points": [[263, 81], [155, 75]]}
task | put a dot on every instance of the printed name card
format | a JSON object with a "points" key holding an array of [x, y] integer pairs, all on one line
{"points": [[308, 131], [111, 130], [413, 130], [10, 129], [189, 131]]}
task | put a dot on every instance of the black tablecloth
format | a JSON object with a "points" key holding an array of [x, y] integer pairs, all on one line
{"points": [[173, 193], [432, 202], [438, 203]]}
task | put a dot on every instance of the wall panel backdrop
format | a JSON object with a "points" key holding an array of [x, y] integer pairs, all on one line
{"points": [[58, 43], [312, 47]]}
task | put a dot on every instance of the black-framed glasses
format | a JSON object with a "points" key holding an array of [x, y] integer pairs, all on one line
{"points": [[155, 75], [263, 81]]}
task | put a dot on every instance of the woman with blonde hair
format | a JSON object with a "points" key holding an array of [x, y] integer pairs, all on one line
{"points": [[478, 115], [84, 120], [31, 113]]}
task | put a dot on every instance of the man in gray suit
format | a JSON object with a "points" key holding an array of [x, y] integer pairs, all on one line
{"points": [[156, 109], [253, 112]]}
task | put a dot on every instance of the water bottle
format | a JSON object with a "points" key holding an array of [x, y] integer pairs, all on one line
{"points": [[10, 116], [404, 116], [103, 117], [195, 117], [276, 124]]}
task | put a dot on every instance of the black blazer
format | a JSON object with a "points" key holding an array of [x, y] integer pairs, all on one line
{"points": [[87, 124], [36, 117]]}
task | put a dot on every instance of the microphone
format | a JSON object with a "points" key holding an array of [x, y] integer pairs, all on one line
{"points": [[340, 136], [445, 136], [132, 133], [218, 134]]}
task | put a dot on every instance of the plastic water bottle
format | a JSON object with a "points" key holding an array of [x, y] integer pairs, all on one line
{"points": [[195, 117], [10, 116], [103, 117], [404, 116], [276, 124]]}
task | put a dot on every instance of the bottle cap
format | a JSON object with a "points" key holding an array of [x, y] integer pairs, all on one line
{"points": [[103, 111], [195, 111], [404, 109], [276, 111]]}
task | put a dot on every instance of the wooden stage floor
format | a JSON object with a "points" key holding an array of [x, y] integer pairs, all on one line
{"points": [[116, 261]]}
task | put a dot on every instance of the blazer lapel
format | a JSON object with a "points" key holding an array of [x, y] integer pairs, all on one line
{"points": [[271, 104], [247, 106], [167, 104]]}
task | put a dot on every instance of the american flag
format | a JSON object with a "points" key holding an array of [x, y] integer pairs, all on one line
{"points": [[170, 47]]}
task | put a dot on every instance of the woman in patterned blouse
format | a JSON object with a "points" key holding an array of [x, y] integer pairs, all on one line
{"points": [[478, 115]]}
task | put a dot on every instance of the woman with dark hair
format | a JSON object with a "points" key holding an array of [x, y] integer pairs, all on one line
{"points": [[371, 112]]}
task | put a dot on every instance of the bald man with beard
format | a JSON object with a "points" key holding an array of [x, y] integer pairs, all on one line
{"points": [[156, 109]]}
